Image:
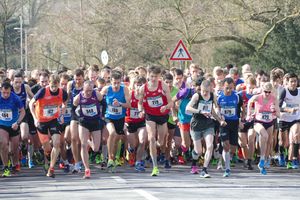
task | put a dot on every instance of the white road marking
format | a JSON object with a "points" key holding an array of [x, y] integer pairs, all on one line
{"points": [[145, 194], [119, 179]]}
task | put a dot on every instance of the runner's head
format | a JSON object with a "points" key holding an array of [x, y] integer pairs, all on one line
{"points": [[64, 79], [106, 74], [5, 90], [54, 82], [116, 79], [154, 73], [18, 80], [267, 89], [168, 79], [92, 73], [178, 76], [205, 88], [88, 88], [138, 82], [228, 86], [197, 84], [292, 79], [195, 71], [44, 79], [79, 77], [250, 84]]}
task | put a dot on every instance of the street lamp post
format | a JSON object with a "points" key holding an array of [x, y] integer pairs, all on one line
{"points": [[21, 39]]}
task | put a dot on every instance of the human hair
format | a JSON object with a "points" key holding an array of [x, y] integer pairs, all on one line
{"points": [[168, 76], [291, 75], [89, 83], [154, 70], [79, 72], [251, 80], [116, 75], [18, 74], [228, 80], [6, 85], [233, 71], [44, 74], [54, 79], [178, 72], [64, 76], [218, 71], [101, 80], [194, 65]]}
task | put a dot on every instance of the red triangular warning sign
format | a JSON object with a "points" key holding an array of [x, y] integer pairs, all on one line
{"points": [[180, 52]]}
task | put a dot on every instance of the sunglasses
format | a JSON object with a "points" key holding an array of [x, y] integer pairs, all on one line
{"points": [[268, 92]]}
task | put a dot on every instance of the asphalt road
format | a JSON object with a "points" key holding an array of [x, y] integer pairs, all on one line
{"points": [[176, 183]]}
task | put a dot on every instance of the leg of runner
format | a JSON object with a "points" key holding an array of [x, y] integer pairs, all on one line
{"points": [[133, 142], [209, 139], [251, 147], [14, 145], [168, 144], [4, 140], [263, 138], [75, 143], [45, 141], [151, 130], [54, 153], [294, 146], [226, 157], [111, 146], [269, 146], [197, 151], [142, 138], [84, 135], [243, 140]]}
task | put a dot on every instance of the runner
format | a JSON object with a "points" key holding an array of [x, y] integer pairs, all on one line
{"points": [[45, 109], [88, 101], [155, 103], [117, 100], [11, 114], [289, 124], [202, 125], [265, 108]]}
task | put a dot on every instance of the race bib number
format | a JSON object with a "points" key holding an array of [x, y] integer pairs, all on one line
{"points": [[205, 107], [114, 110], [228, 111], [296, 112], [134, 113], [155, 102], [68, 112], [50, 111], [264, 117], [6, 115], [89, 110]]}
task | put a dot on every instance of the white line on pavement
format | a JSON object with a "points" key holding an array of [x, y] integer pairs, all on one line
{"points": [[145, 194], [119, 179]]}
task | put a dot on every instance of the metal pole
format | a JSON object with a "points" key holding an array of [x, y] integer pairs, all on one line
{"points": [[26, 51], [21, 40]]}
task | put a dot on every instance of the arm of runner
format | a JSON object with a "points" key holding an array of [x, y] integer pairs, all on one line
{"points": [[99, 96], [127, 99], [32, 110], [28, 91], [104, 91], [76, 100], [251, 101], [194, 100], [218, 117], [166, 89], [140, 104]]}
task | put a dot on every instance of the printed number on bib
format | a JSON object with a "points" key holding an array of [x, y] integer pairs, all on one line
{"points": [[155, 102], [134, 113], [50, 111], [228, 111], [264, 116], [6, 115], [89, 110], [112, 110], [296, 112], [205, 107]]}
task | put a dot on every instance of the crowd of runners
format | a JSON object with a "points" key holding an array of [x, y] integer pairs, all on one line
{"points": [[149, 118]]}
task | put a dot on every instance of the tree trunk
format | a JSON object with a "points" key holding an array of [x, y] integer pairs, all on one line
{"points": [[4, 46]]}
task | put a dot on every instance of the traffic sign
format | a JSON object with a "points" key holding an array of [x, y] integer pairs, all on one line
{"points": [[104, 57], [180, 52]]}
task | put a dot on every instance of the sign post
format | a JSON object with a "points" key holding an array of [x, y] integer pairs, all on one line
{"points": [[180, 53], [104, 57]]}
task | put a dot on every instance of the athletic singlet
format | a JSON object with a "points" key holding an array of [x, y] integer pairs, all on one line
{"points": [[89, 108], [229, 106], [132, 113], [48, 107], [154, 100], [9, 109], [22, 95], [115, 112], [199, 121], [183, 115], [290, 101], [245, 97], [263, 111]]}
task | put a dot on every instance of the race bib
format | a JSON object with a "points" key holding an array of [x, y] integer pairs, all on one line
{"points": [[293, 106], [228, 111], [264, 116], [114, 110], [6, 115], [205, 107], [89, 110], [68, 112], [134, 113], [155, 102], [50, 111]]}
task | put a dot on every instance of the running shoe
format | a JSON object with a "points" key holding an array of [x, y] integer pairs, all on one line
{"points": [[168, 164], [227, 173], [111, 166], [18, 167], [30, 164], [155, 171], [61, 165], [195, 170], [99, 158], [281, 160], [46, 167], [87, 174], [76, 168], [181, 160], [23, 161], [6, 173], [295, 164], [67, 168], [139, 166], [289, 165], [131, 159], [267, 164], [51, 173], [261, 167], [204, 174]]}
